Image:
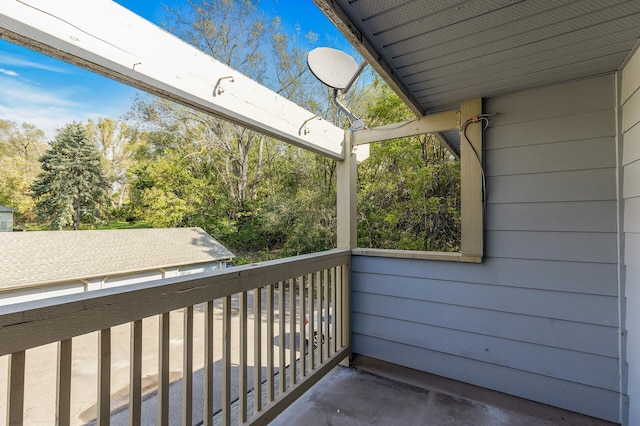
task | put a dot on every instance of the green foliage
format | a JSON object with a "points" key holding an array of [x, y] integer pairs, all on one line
{"points": [[71, 187], [408, 194], [20, 147]]}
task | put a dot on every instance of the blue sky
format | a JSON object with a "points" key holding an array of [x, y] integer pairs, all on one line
{"points": [[49, 93]]}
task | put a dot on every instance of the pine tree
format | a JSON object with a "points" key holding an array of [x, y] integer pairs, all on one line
{"points": [[71, 188]]}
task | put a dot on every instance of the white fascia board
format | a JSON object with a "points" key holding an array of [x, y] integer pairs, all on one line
{"points": [[107, 38]]}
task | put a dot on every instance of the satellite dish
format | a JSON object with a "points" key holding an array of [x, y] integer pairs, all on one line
{"points": [[333, 67]]}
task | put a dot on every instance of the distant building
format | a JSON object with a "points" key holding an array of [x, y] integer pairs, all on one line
{"points": [[6, 219], [38, 265]]}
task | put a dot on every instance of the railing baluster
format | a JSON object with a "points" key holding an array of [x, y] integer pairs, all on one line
{"points": [[282, 340], [135, 385], [292, 332], [339, 307], [270, 369], [327, 315], [334, 274], [15, 391], [187, 367], [346, 326], [319, 327], [303, 327], [63, 391], [243, 340], [257, 350], [163, 369], [104, 378], [208, 365], [226, 361], [312, 329]]}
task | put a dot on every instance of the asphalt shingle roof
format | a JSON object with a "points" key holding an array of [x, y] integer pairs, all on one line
{"points": [[5, 209], [38, 258]]}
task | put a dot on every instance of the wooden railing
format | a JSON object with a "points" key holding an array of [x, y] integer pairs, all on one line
{"points": [[264, 315]]}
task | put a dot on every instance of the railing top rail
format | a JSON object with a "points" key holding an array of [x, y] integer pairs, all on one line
{"points": [[36, 323]]}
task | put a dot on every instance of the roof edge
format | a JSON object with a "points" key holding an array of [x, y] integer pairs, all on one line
{"points": [[341, 20]]}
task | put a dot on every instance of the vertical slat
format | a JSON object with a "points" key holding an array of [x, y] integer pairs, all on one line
{"points": [[303, 327], [339, 307], [63, 383], [208, 365], [104, 378], [319, 307], [187, 367], [282, 340], [327, 316], [242, 387], [292, 332], [346, 326], [270, 384], [135, 379], [335, 312], [311, 298], [226, 361], [163, 369], [15, 388], [257, 350]]}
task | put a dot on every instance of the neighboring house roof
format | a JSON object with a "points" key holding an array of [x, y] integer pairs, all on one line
{"points": [[46, 257], [5, 209]]}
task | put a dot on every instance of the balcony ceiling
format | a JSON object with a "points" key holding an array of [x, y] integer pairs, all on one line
{"points": [[436, 53]]}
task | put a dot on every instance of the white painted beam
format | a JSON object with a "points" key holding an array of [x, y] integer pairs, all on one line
{"points": [[433, 123], [104, 37]]}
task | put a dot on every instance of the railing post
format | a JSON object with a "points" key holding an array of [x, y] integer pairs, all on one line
{"points": [[63, 394], [15, 388], [163, 369], [187, 367], [104, 378], [135, 377], [347, 238]]}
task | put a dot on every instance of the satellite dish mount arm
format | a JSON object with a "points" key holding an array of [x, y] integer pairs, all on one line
{"points": [[356, 123]]}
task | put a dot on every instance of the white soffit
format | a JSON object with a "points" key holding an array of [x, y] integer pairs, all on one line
{"points": [[104, 37]]}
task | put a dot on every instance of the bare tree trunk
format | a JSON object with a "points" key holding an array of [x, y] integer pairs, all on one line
{"points": [[254, 194]]}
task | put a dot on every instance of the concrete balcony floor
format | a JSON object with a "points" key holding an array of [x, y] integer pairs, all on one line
{"points": [[377, 393]]}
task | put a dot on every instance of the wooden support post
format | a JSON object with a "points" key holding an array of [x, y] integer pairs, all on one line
{"points": [[347, 237], [471, 179]]}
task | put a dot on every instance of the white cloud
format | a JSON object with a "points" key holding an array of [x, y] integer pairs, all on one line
{"points": [[47, 109], [8, 72], [21, 62]]}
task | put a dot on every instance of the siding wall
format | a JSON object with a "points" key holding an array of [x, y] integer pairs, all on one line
{"points": [[539, 318], [630, 99]]}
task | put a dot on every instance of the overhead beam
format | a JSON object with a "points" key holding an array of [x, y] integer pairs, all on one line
{"points": [[108, 39], [433, 123]]}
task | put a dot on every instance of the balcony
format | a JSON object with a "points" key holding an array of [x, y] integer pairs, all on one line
{"points": [[185, 351]]}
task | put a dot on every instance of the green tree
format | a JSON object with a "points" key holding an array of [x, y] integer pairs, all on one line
{"points": [[20, 147], [112, 138], [409, 189], [71, 188]]}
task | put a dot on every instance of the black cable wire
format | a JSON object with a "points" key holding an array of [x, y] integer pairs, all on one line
{"points": [[484, 119]]}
